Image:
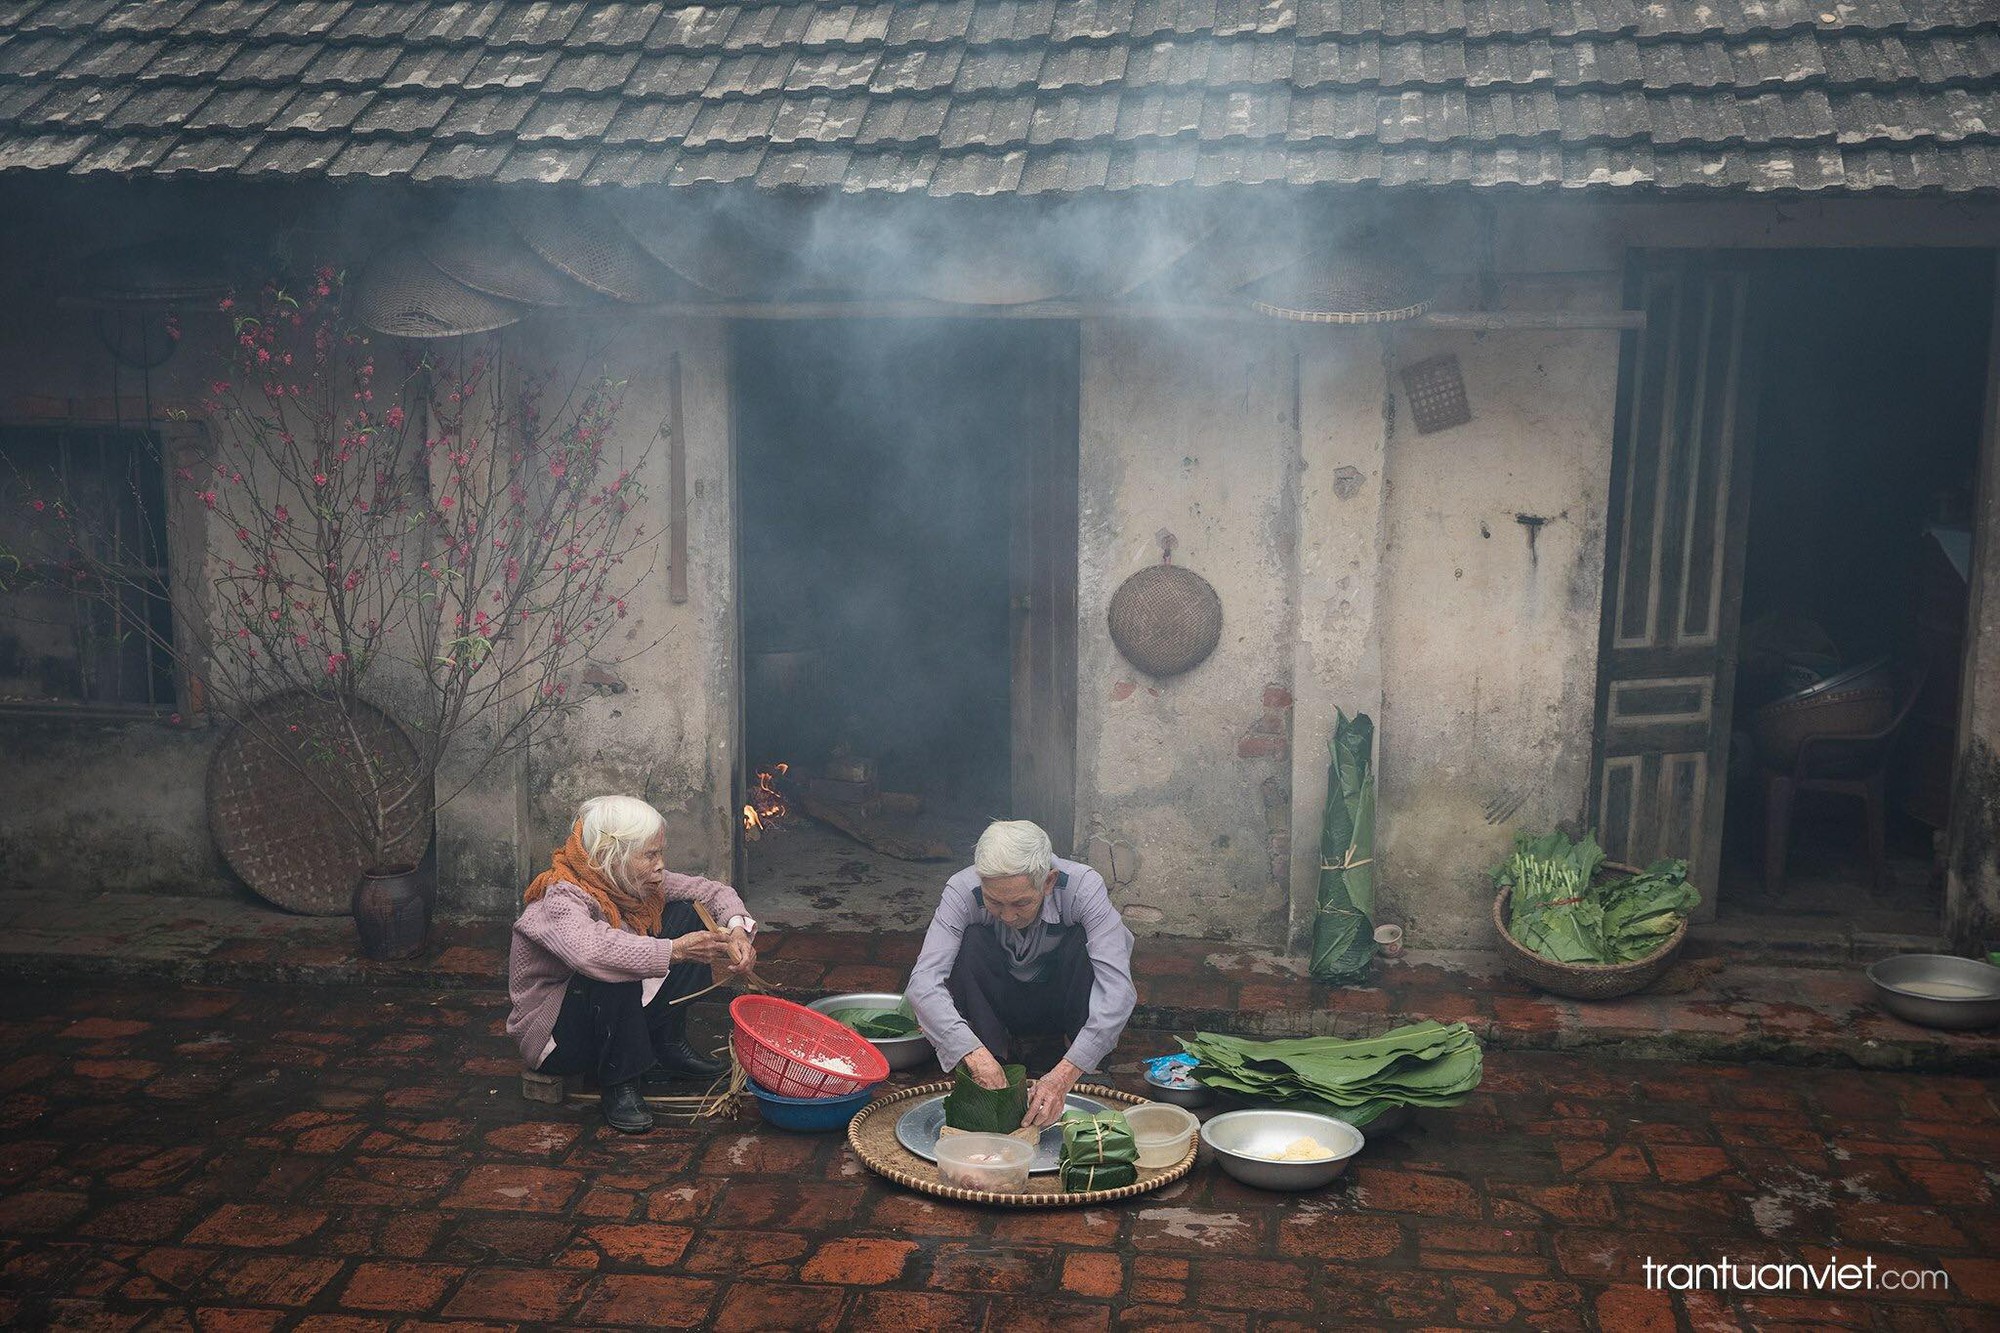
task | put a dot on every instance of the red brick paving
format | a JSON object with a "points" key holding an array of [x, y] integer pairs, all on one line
{"points": [[372, 1191]]}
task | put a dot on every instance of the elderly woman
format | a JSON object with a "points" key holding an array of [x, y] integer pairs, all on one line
{"points": [[608, 940]]}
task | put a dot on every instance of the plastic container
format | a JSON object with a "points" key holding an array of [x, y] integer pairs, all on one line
{"points": [[994, 1163], [1161, 1132], [809, 1114], [795, 1052]]}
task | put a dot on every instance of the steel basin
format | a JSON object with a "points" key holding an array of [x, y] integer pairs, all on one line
{"points": [[1938, 990], [901, 1052], [1245, 1142]]}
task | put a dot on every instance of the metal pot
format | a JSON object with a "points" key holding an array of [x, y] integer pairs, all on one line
{"points": [[1938, 990], [901, 1052]]}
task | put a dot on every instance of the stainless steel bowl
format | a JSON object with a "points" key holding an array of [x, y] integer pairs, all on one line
{"points": [[901, 1052], [1938, 990], [1188, 1097], [1246, 1143]]}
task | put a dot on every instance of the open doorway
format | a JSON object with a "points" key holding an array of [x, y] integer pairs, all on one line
{"points": [[1789, 541], [903, 488], [1856, 571]]}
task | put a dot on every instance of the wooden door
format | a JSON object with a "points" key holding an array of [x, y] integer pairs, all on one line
{"points": [[1674, 565], [1043, 556]]}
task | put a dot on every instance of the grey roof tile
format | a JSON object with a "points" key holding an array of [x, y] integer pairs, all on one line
{"points": [[751, 74], [652, 122], [376, 157], [17, 100], [546, 164], [484, 116], [834, 71], [241, 109], [301, 19], [225, 18], [68, 15], [904, 120], [77, 105], [1092, 20], [848, 25], [726, 124], [408, 114], [979, 173], [276, 62], [928, 23], [120, 154], [568, 118], [147, 16], [677, 76], [206, 155], [921, 70], [1082, 67], [1011, 20], [692, 27], [538, 23], [1172, 63], [1137, 166], [437, 68], [119, 58], [614, 27], [1066, 171], [157, 107], [591, 72], [766, 27], [351, 66], [1074, 118], [456, 20], [804, 168], [379, 20], [38, 57], [1233, 17], [321, 111], [631, 167], [1244, 114], [42, 152], [716, 167], [820, 120], [512, 68], [999, 69], [461, 161], [892, 172], [1160, 115], [987, 122]]}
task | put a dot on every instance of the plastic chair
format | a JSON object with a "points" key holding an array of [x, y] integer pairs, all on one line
{"points": [[1845, 765]]}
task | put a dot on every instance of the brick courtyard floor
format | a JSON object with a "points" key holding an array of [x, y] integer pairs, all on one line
{"points": [[344, 1157]]}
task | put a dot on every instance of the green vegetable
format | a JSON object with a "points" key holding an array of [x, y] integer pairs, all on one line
{"points": [[1098, 1152], [1565, 910], [978, 1110], [1423, 1064], [881, 1023], [1343, 928]]}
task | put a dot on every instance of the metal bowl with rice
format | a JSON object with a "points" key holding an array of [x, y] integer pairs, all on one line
{"points": [[1254, 1147], [1938, 990], [901, 1052]]}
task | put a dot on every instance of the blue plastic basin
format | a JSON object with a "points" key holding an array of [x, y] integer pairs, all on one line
{"points": [[809, 1113]]}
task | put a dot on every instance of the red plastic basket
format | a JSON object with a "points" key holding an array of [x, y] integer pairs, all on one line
{"points": [[787, 1047]]}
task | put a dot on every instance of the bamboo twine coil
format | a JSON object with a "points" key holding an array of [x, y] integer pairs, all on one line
{"points": [[872, 1135]]}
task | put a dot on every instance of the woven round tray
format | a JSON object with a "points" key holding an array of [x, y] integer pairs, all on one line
{"points": [[1165, 619], [270, 821], [872, 1135], [1584, 981]]}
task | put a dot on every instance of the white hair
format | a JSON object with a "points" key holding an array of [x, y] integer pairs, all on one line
{"points": [[1012, 847], [615, 827]]}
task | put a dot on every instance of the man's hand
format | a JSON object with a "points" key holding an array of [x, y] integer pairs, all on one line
{"points": [[1049, 1094], [985, 1070], [742, 951]]}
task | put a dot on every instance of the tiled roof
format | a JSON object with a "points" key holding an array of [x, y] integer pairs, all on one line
{"points": [[1014, 96]]}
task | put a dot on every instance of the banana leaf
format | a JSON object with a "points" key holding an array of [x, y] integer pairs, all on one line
{"points": [[1343, 944], [1421, 1064], [978, 1110], [884, 1023], [1098, 1151]]}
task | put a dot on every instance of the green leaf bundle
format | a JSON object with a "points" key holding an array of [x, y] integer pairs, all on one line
{"points": [[978, 1110], [1098, 1151], [1343, 944], [878, 1023], [1422, 1064], [1564, 909]]}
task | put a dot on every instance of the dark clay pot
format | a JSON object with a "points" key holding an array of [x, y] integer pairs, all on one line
{"points": [[392, 909]]}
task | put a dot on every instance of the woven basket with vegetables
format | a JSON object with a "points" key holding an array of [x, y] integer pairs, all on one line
{"points": [[1574, 924]]}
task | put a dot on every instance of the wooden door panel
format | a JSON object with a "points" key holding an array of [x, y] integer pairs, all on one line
{"points": [[1667, 662]]}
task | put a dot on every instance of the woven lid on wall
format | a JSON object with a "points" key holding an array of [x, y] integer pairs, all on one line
{"points": [[1165, 619], [269, 806], [1365, 282], [495, 261], [405, 295]]}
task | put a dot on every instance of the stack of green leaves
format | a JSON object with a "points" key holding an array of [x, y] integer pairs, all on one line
{"points": [[878, 1023], [1423, 1064], [1565, 909], [978, 1110], [1098, 1151]]}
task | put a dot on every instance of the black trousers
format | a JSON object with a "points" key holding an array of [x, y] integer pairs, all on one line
{"points": [[996, 1004], [604, 1029]]}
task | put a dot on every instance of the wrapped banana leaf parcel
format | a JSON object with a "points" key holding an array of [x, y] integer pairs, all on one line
{"points": [[1423, 1064], [1098, 1151]]}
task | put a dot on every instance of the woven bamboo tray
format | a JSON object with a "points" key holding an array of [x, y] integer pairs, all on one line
{"points": [[1584, 981], [872, 1135]]}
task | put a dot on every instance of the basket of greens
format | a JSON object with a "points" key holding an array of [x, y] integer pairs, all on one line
{"points": [[1574, 924]]}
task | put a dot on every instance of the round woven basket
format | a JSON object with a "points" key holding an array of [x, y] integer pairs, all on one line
{"points": [[403, 294], [1165, 619], [1375, 283], [872, 1135], [1584, 981], [274, 826]]}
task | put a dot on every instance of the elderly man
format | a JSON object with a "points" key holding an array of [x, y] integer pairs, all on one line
{"points": [[1024, 943]]}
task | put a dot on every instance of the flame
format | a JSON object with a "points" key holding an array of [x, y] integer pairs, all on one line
{"points": [[767, 808]]}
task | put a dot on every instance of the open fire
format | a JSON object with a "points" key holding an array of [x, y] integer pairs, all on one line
{"points": [[767, 808]]}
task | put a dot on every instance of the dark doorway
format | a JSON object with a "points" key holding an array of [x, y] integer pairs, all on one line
{"points": [[885, 471], [1856, 571]]}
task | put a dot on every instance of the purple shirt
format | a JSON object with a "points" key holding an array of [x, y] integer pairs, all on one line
{"points": [[1079, 898]]}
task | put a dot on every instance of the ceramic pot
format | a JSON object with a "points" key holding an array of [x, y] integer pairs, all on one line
{"points": [[392, 909]]}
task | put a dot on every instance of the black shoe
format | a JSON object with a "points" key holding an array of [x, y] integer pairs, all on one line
{"points": [[624, 1109], [680, 1060]]}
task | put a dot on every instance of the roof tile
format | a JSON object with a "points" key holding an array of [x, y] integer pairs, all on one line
{"points": [[461, 161], [546, 164], [483, 116], [241, 109], [804, 168], [76, 105], [206, 155], [352, 66], [904, 121], [822, 120], [42, 152], [321, 112], [988, 122], [38, 57], [512, 68], [652, 122], [404, 113], [568, 118], [433, 67], [923, 70], [158, 107], [591, 72], [301, 19], [539, 23], [692, 27], [456, 21], [615, 27], [277, 62], [893, 172], [376, 157], [926, 23]]}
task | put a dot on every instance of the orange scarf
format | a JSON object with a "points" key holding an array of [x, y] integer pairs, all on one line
{"points": [[571, 863]]}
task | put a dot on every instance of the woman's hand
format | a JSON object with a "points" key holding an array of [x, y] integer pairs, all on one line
{"points": [[742, 951], [701, 946]]}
